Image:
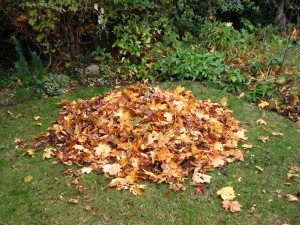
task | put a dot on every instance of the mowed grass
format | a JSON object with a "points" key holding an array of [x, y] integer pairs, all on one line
{"points": [[44, 200]]}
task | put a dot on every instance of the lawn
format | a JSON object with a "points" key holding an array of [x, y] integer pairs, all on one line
{"points": [[260, 182]]}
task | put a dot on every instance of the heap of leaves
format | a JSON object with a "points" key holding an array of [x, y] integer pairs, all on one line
{"points": [[145, 133]]}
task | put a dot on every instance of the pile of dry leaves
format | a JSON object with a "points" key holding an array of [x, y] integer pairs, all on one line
{"points": [[141, 133]]}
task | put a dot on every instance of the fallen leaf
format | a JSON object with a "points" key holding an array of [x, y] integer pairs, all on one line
{"points": [[112, 169], [291, 175], [201, 178], [64, 102], [263, 139], [73, 201], [291, 198], [200, 189], [261, 122], [37, 124], [30, 152], [48, 153], [137, 189], [224, 101], [259, 168], [232, 206], [263, 104], [227, 193], [277, 134], [246, 146], [28, 179], [37, 118], [168, 116], [88, 207], [86, 170]]}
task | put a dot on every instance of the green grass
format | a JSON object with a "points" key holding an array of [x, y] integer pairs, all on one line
{"points": [[45, 199]]}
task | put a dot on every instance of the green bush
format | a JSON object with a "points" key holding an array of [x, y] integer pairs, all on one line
{"points": [[191, 62], [55, 84]]}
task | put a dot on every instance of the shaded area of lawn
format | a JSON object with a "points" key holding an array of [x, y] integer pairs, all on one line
{"points": [[45, 199]]}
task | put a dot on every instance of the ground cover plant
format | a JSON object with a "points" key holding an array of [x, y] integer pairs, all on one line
{"points": [[36, 191]]}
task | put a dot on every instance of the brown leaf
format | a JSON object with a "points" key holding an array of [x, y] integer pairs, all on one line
{"points": [[73, 201], [291, 198], [263, 139], [232, 206]]}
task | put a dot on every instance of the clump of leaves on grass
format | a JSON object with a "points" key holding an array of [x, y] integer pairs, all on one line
{"points": [[141, 133]]}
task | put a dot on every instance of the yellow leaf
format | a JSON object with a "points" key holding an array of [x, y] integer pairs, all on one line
{"points": [[291, 175], [263, 104], [227, 193], [37, 124], [37, 118], [261, 122], [223, 101], [20, 83], [27, 179], [48, 153], [102, 149], [277, 134], [136, 189], [247, 146], [30, 152], [178, 90]]}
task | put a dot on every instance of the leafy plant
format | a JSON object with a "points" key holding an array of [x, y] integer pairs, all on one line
{"points": [[191, 62], [55, 84]]}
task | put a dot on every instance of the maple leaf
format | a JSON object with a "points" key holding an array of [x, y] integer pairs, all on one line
{"points": [[226, 193], [263, 104], [233, 206], [112, 169], [48, 153], [137, 189], [200, 189], [102, 149]]}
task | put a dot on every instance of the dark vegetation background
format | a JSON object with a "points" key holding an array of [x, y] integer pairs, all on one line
{"points": [[249, 48]]}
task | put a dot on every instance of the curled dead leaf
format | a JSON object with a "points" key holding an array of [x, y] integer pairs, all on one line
{"points": [[232, 206]]}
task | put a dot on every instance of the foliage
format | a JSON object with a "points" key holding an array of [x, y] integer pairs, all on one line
{"points": [[191, 62], [55, 84], [141, 133]]}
